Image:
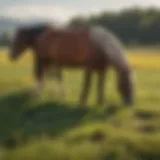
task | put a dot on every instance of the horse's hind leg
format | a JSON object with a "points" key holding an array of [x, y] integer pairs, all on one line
{"points": [[101, 87], [39, 74], [86, 87]]}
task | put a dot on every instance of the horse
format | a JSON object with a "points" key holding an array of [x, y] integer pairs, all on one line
{"points": [[26, 37], [93, 49]]}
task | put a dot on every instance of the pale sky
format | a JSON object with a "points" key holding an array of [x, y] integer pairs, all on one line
{"points": [[63, 10]]}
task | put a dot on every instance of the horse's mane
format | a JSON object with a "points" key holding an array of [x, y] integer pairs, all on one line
{"points": [[36, 30]]}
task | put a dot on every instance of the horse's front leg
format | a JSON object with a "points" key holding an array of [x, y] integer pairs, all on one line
{"points": [[86, 87], [39, 74], [101, 86], [60, 79]]}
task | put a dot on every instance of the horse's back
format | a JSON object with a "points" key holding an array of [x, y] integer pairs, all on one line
{"points": [[71, 47], [66, 46]]}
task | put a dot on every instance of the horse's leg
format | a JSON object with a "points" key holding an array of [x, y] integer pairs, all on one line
{"points": [[86, 87], [39, 73], [101, 86], [59, 75]]}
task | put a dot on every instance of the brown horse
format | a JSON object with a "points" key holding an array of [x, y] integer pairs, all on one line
{"points": [[27, 37], [93, 49]]}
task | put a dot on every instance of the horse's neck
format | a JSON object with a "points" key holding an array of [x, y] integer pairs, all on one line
{"points": [[110, 46], [32, 42]]}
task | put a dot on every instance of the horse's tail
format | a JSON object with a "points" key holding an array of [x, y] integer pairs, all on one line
{"points": [[110, 45]]}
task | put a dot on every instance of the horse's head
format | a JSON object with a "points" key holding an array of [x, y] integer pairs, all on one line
{"points": [[125, 86], [19, 43], [26, 37]]}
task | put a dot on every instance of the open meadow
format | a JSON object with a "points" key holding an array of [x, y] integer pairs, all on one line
{"points": [[49, 127]]}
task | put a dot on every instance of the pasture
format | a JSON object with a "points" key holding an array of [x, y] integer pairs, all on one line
{"points": [[49, 127]]}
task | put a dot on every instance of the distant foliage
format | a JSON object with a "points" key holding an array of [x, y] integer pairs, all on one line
{"points": [[132, 26]]}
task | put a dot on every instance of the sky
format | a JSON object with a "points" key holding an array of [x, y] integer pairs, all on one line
{"points": [[64, 10]]}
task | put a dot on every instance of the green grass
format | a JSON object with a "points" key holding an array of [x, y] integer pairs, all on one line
{"points": [[49, 127]]}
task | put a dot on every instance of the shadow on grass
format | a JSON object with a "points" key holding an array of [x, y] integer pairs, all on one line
{"points": [[20, 112], [22, 115], [11, 109], [52, 118]]}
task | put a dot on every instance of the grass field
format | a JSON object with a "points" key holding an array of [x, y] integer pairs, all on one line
{"points": [[48, 127]]}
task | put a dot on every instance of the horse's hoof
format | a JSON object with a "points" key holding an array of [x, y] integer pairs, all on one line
{"points": [[63, 94], [83, 104], [129, 103], [35, 92], [100, 103]]}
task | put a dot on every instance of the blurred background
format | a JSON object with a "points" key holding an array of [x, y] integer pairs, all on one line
{"points": [[50, 127], [134, 22]]}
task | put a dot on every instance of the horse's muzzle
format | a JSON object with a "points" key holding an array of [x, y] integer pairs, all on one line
{"points": [[12, 57]]}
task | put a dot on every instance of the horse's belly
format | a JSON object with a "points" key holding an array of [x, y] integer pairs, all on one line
{"points": [[71, 53], [71, 61]]}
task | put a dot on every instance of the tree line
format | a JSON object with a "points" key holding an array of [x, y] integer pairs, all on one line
{"points": [[132, 26]]}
